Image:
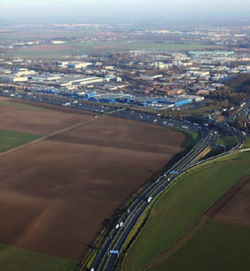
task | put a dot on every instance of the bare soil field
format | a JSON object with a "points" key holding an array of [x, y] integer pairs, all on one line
{"points": [[115, 45], [234, 206], [31, 117], [55, 194], [50, 107], [47, 47]]}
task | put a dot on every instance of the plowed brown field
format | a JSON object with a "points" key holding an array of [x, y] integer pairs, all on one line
{"points": [[55, 194], [234, 206], [37, 118]]}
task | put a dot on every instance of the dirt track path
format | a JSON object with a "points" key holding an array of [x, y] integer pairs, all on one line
{"points": [[64, 130]]}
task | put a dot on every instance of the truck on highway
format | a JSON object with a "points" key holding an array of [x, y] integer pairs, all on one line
{"points": [[66, 104], [150, 199], [117, 226]]}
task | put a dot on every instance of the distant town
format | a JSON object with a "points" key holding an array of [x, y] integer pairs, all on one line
{"points": [[163, 80]]}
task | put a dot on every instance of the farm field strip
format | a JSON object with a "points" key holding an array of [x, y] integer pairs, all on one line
{"points": [[37, 118], [23, 140], [228, 213], [75, 48], [18, 259], [214, 246], [13, 139]]}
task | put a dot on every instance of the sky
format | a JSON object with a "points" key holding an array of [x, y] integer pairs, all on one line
{"points": [[122, 8]]}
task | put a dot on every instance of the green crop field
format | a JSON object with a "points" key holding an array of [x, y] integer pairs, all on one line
{"points": [[76, 48], [18, 259], [181, 206], [39, 54], [228, 141], [213, 247], [12, 139], [34, 33]]}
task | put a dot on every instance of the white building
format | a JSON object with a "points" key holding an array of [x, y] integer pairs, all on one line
{"points": [[57, 42], [78, 65], [13, 78]]}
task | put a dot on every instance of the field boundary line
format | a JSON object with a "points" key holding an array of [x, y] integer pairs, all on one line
{"points": [[205, 164], [223, 200], [180, 242], [201, 221], [45, 137]]}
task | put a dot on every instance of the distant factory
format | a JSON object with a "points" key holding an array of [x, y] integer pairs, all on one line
{"points": [[157, 102], [73, 65]]}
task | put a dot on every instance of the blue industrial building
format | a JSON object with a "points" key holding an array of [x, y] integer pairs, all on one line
{"points": [[144, 101], [179, 101], [109, 98], [90, 95], [48, 91]]}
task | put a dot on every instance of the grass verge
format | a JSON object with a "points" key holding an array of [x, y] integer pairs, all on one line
{"points": [[228, 141], [193, 138], [246, 144]]}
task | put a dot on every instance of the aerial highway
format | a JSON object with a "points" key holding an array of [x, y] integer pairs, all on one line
{"points": [[118, 236], [108, 253], [106, 261]]}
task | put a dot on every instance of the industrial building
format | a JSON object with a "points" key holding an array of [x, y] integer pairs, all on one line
{"points": [[109, 98], [74, 81], [57, 41], [22, 72], [13, 78], [73, 65]]}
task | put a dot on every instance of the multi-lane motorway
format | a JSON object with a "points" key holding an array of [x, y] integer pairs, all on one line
{"points": [[100, 109], [106, 261], [118, 236]]}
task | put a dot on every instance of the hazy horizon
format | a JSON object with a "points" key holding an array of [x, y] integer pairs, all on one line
{"points": [[124, 9]]}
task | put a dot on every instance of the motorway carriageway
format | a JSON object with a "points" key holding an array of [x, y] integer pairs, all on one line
{"points": [[95, 107], [140, 205]]}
